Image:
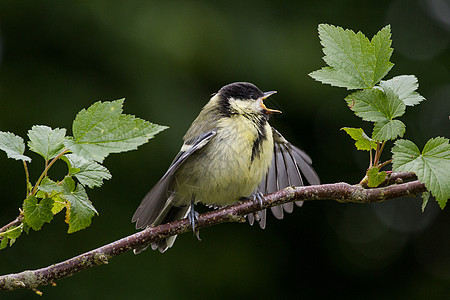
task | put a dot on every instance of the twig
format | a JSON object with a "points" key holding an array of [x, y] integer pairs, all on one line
{"points": [[47, 166], [341, 192], [17, 221]]}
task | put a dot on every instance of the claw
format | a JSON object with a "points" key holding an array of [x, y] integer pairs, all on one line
{"points": [[255, 197], [193, 217], [258, 216]]}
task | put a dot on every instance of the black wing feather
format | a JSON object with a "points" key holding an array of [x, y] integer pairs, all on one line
{"points": [[157, 198], [289, 163]]}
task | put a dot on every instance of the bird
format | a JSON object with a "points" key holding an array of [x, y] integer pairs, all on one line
{"points": [[230, 153]]}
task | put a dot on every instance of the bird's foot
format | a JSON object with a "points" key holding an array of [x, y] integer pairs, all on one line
{"points": [[193, 218], [255, 197]]}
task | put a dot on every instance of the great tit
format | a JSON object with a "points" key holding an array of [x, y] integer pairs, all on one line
{"points": [[230, 152]]}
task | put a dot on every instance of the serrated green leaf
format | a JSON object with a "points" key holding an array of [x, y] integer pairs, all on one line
{"points": [[13, 145], [46, 141], [405, 87], [432, 166], [353, 61], [36, 214], [48, 186], [374, 105], [10, 236], [335, 77], [102, 129], [13, 233], [89, 173], [388, 130], [375, 176], [381, 43], [362, 141], [81, 209], [381, 107]]}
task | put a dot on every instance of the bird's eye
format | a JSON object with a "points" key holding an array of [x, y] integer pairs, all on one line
{"points": [[252, 96]]}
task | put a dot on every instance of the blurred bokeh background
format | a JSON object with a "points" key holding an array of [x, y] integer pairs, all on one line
{"points": [[166, 59]]}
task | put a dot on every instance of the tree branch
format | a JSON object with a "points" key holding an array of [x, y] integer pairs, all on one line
{"points": [[341, 192]]}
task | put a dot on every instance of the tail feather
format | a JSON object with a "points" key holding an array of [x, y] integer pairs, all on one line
{"points": [[152, 204], [168, 214]]}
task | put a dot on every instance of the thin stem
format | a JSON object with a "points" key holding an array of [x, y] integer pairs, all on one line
{"points": [[370, 153], [27, 178], [45, 168], [9, 229], [381, 150], [44, 173], [375, 161], [16, 222], [385, 163], [378, 154]]}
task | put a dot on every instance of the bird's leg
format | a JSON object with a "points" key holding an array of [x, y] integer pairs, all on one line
{"points": [[193, 217]]}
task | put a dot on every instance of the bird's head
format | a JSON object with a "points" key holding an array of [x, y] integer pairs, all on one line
{"points": [[245, 99]]}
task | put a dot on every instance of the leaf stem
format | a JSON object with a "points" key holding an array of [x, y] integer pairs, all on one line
{"points": [[45, 168], [378, 153], [44, 173], [17, 221], [381, 150], [27, 178], [11, 229], [375, 161], [385, 163]]}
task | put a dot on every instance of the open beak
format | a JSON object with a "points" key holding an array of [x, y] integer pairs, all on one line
{"points": [[264, 108]]}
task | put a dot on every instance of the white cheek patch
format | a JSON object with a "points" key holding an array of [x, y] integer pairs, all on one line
{"points": [[244, 106]]}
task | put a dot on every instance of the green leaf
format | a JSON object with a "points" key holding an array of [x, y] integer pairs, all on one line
{"points": [[46, 141], [36, 214], [89, 173], [375, 176], [362, 141], [381, 43], [13, 145], [59, 204], [10, 236], [49, 186], [432, 165], [81, 209], [353, 61], [388, 130], [4, 243], [103, 129], [404, 87], [381, 107], [374, 106]]}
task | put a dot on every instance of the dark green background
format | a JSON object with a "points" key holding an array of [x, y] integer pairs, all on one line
{"points": [[57, 57]]}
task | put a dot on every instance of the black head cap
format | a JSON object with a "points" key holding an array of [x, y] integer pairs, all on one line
{"points": [[241, 91]]}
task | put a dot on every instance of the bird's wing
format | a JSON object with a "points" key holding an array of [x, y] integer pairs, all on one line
{"points": [[289, 165], [156, 199]]}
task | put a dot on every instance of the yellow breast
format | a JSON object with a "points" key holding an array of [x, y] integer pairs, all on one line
{"points": [[226, 171]]}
